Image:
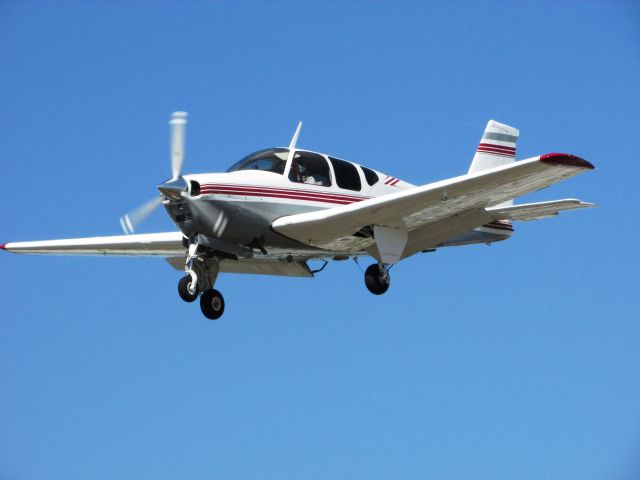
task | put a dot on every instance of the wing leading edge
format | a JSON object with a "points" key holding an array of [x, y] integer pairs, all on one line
{"points": [[161, 244]]}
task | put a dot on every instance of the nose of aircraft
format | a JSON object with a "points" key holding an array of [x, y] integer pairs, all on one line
{"points": [[173, 188]]}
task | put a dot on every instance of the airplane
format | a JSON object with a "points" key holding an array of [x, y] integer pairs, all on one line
{"points": [[276, 209]]}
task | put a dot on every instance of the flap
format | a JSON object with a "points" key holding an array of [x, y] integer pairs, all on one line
{"points": [[255, 266], [536, 211]]}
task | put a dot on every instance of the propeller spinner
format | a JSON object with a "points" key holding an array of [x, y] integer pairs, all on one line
{"points": [[170, 189]]}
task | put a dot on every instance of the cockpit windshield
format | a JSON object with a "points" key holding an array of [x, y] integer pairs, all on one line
{"points": [[270, 160]]}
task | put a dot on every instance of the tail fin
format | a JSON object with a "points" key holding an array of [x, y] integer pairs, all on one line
{"points": [[497, 147]]}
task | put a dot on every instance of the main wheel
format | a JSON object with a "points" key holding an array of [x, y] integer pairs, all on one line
{"points": [[376, 280], [212, 304], [183, 289]]}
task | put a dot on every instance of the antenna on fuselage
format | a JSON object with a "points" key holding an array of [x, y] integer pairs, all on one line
{"points": [[294, 140]]}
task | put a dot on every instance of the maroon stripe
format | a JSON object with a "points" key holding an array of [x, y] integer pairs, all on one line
{"points": [[498, 147], [284, 190], [495, 152], [393, 184], [489, 152], [566, 160], [389, 181], [507, 152], [257, 192], [281, 195], [499, 226]]}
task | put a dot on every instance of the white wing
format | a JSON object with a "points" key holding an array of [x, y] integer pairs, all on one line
{"points": [[163, 244], [431, 213], [167, 244]]}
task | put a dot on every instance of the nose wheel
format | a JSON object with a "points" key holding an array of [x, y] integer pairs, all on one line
{"points": [[376, 278], [187, 289]]}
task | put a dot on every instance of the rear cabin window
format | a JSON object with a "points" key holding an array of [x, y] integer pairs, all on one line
{"points": [[347, 176], [370, 176], [310, 168]]}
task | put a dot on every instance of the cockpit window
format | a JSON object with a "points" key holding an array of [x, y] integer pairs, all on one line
{"points": [[310, 168], [270, 160]]}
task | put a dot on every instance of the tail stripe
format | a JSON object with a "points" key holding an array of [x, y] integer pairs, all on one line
{"points": [[499, 149]]}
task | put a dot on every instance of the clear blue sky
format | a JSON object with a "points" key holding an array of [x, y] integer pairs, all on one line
{"points": [[519, 360]]}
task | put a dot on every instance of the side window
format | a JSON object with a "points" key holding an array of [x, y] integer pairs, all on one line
{"points": [[370, 175], [346, 174], [310, 168]]}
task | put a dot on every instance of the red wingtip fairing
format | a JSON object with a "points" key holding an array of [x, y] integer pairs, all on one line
{"points": [[566, 159]]}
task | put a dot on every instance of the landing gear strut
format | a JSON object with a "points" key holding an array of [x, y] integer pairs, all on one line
{"points": [[201, 274], [376, 278]]}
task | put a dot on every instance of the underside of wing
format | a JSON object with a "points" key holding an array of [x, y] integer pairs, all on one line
{"points": [[458, 202], [162, 244], [256, 266], [536, 211]]}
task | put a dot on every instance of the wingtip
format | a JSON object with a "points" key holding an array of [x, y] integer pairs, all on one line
{"points": [[2, 246], [566, 160]]}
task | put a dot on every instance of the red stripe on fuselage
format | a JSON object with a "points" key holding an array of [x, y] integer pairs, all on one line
{"points": [[286, 191], [292, 194], [281, 195]]}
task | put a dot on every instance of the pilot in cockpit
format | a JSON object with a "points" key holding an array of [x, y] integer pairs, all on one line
{"points": [[300, 174]]}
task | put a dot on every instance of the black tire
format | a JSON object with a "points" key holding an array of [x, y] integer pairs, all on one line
{"points": [[212, 304], [376, 282], [183, 289]]}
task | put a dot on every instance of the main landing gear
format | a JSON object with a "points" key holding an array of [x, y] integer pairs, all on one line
{"points": [[377, 279], [212, 304], [201, 275]]}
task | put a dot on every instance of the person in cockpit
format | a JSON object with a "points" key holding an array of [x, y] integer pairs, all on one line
{"points": [[300, 174]]}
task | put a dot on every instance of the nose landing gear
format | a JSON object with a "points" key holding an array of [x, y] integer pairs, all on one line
{"points": [[201, 275], [187, 289], [377, 279]]}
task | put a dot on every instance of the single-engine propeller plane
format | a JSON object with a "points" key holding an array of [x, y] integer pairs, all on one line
{"points": [[276, 209]]}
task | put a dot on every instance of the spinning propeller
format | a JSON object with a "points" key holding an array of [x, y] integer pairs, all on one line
{"points": [[172, 188]]}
